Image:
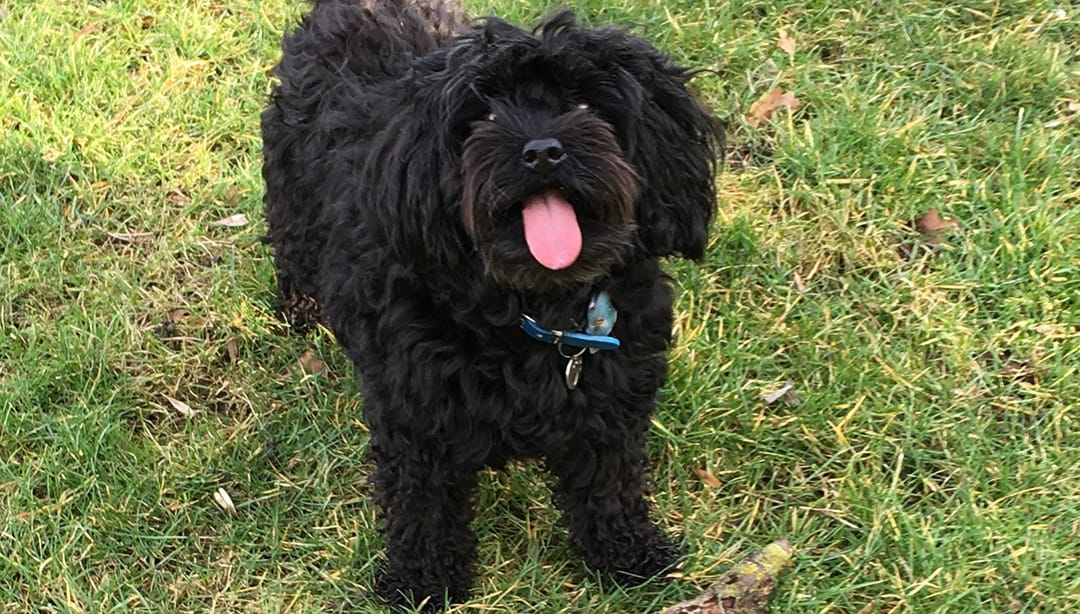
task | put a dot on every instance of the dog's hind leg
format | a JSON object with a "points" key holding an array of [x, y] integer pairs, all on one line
{"points": [[293, 234], [294, 209]]}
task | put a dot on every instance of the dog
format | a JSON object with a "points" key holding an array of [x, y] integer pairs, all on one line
{"points": [[478, 212]]}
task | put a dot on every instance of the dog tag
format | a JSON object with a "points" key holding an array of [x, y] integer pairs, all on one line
{"points": [[573, 371]]}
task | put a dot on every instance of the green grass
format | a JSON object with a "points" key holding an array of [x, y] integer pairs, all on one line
{"points": [[931, 467]]}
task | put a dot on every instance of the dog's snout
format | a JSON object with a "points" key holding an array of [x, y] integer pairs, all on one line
{"points": [[543, 155]]}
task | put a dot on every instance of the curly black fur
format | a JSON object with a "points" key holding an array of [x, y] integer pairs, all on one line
{"points": [[394, 189]]}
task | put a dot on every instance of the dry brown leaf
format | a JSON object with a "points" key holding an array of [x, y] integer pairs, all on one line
{"points": [[1048, 330], [932, 226], [707, 478], [146, 22], [233, 221], [233, 350], [765, 106], [311, 364], [90, 28], [1020, 371], [786, 42], [933, 229], [178, 197], [1072, 107], [180, 406], [176, 315], [800, 285], [168, 323], [1012, 367]]}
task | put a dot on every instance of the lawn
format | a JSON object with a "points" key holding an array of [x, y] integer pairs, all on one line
{"points": [[927, 460]]}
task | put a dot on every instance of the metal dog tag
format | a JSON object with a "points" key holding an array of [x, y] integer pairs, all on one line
{"points": [[573, 371]]}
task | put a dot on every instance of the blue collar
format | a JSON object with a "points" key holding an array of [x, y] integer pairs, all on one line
{"points": [[601, 317]]}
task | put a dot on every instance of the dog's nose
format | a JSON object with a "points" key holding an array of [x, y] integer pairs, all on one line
{"points": [[543, 155]]}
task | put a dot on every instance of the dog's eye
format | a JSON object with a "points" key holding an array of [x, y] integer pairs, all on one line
{"points": [[582, 106], [491, 117]]}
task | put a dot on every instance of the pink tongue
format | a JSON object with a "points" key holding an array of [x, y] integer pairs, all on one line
{"points": [[551, 230]]}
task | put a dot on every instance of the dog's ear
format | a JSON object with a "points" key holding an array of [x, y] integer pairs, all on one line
{"points": [[672, 140], [411, 185]]}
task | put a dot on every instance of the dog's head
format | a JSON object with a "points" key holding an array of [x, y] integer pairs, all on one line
{"points": [[560, 152]]}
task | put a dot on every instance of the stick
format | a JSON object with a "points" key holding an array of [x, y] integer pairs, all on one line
{"points": [[745, 588]]}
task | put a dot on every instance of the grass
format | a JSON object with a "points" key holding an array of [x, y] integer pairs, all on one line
{"points": [[932, 463]]}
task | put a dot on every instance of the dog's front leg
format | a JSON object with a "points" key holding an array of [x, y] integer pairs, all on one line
{"points": [[427, 507], [601, 490]]}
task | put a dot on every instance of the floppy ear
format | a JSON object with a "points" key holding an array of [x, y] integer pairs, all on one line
{"points": [[673, 142], [413, 192], [409, 182]]}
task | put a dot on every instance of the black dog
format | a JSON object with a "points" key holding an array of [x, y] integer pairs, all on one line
{"points": [[450, 200]]}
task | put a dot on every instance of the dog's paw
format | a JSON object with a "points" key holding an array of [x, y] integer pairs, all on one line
{"points": [[650, 563], [301, 312], [632, 560], [424, 594]]}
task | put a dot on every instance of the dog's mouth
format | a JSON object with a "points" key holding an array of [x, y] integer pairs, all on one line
{"points": [[552, 232]]}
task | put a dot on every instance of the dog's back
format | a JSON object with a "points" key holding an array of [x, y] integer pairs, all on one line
{"points": [[340, 53]]}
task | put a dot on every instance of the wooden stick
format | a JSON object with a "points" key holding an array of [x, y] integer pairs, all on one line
{"points": [[745, 588]]}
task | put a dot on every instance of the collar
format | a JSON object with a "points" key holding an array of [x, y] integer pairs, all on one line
{"points": [[601, 317]]}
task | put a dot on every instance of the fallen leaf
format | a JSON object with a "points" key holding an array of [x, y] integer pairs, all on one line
{"points": [[178, 197], [765, 106], [176, 315], [1011, 367], [1020, 371], [233, 350], [1072, 107], [774, 396], [90, 28], [707, 478], [1047, 330], [800, 285], [786, 42], [211, 259], [933, 229], [233, 221], [932, 226], [180, 406], [311, 364], [171, 319], [224, 501], [146, 22]]}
